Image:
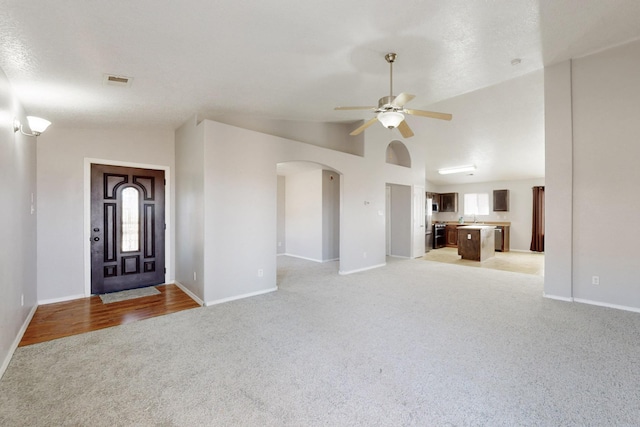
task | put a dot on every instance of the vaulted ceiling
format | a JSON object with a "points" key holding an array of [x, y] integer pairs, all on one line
{"points": [[289, 59]]}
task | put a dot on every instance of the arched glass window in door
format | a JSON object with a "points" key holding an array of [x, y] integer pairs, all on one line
{"points": [[130, 220]]}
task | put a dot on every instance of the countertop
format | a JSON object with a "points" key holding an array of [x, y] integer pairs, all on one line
{"points": [[495, 223]]}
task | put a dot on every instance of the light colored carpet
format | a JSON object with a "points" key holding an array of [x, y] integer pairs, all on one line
{"points": [[415, 343], [129, 294]]}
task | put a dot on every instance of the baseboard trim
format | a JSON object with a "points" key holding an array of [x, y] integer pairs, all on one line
{"points": [[188, 292], [237, 297], [524, 251], [16, 342], [557, 297], [61, 299], [604, 304], [302, 257], [343, 273]]}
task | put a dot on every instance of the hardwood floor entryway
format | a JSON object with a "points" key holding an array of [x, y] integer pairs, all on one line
{"points": [[75, 317]]}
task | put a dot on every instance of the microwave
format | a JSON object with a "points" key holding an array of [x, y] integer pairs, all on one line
{"points": [[434, 207]]}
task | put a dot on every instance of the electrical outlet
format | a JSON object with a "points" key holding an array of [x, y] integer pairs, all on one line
{"points": [[595, 280], [260, 272], [22, 300]]}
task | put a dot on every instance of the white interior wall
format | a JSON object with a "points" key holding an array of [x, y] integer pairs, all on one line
{"points": [[606, 107], [558, 244], [418, 220], [414, 148], [304, 215], [281, 242], [18, 279], [61, 156], [330, 215], [189, 152], [240, 196], [240, 204], [334, 136], [400, 220], [520, 212]]}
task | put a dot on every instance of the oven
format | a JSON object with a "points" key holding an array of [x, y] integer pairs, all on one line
{"points": [[438, 235]]}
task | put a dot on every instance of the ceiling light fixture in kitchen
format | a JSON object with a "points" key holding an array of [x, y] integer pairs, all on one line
{"points": [[457, 169]]}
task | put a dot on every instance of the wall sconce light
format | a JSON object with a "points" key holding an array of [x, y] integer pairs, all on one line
{"points": [[36, 124]]}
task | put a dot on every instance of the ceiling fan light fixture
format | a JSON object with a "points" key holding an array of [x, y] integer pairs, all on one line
{"points": [[390, 119], [457, 169]]}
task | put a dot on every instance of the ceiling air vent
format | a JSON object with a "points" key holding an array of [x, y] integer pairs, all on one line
{"points": [[115, 80]]}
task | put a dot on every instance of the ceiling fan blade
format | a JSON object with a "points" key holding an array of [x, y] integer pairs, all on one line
{"points": [[355, 108], [432, 114], [402, 99], [364, 126], [405, 130]]}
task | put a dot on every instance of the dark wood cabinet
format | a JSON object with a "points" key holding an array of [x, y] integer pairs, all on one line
{"points": [[449, 202], [500, 200], [476, 243], [451, 236]]}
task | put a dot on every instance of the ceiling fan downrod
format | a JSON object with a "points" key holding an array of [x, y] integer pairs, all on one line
{"points": [[390, 57]]}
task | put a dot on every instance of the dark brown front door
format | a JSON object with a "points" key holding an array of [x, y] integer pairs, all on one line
{"points": [[127, 228]]}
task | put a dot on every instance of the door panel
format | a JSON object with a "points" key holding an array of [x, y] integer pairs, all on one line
{"points": [[127, 228]]}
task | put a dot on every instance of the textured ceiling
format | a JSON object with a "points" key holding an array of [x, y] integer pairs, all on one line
{"points": [[285, 59]]}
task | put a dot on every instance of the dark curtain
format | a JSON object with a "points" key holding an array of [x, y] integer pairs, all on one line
{"points": [[537, 232]]}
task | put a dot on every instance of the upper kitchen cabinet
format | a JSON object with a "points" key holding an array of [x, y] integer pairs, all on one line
{"points": [[449, 202], [500, 200]]}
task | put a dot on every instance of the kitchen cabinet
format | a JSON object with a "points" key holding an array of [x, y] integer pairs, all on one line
{"points": [[449, 202], [476, 242], [500, 200], [451, 236]]}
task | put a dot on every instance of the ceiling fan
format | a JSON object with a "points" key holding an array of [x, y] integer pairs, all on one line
{"points": [[390, 110]]}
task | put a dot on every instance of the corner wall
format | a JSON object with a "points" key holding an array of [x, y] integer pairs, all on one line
{"points": [[240, 203], [592, 106], [18, 279], [189, 150], [606, 198], [559, 177]]}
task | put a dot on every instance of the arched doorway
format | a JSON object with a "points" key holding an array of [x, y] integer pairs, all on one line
{"points": [[308, 211]]}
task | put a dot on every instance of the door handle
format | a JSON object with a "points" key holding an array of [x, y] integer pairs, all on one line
{"points": [[96, 239]]}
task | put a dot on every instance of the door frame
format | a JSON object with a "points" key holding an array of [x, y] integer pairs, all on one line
{"points": [[168, 238]]}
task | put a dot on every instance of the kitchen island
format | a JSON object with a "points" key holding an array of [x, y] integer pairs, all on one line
{"points": [[476, 242]]}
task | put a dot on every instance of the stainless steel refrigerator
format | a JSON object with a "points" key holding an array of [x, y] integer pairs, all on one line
{"points": [[428, 238]]}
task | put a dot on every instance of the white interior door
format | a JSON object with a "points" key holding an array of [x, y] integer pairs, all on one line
{"points": [[418, 221]]}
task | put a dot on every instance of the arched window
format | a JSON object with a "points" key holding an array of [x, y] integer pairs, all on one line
{"points": [[130, 220]]}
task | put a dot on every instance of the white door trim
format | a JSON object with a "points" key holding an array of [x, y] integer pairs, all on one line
{"points": [[168, 277]]}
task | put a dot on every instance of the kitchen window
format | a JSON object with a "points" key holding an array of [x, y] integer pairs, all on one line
{"points": [[476, 204]]}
